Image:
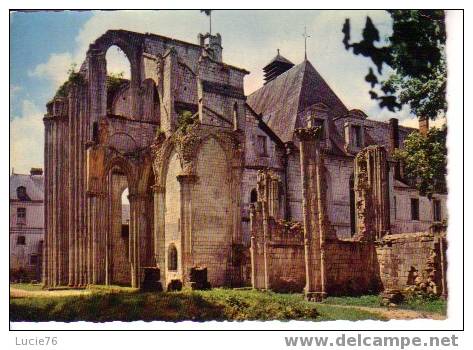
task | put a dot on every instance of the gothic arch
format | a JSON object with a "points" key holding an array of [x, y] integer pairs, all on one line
{"points": [[122, 142], [124, 165], [130, 46]]}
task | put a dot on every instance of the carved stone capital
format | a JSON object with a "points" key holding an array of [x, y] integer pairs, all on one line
{"points": [[186, 178], [135, 197], [158, 189]]}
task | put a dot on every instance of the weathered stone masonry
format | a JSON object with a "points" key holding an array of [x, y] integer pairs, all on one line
{"points": [[283, 189]]}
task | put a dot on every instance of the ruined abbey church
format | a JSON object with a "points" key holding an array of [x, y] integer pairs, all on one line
{"points": [[282, 189]]}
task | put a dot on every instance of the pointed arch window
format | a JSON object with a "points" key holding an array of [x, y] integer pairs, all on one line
{"points": [[172, 258], [253, 196]]}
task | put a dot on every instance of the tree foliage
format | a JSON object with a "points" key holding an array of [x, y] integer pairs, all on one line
{"points": [[425, 160], [185, 120], [415, 52]]}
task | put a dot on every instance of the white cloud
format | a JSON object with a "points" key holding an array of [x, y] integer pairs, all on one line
{"points": [[14, 90], [55, 69], [27, 138]]}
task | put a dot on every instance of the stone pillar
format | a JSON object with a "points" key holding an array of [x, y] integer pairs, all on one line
{"points": [[186, 182], [137, 205], [47, 201], [257, 248], [97, 75], [168, 115], [314, 215], [372, 193], [263, 187], [159, 193]]}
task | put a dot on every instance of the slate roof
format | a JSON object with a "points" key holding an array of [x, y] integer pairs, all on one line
{"points": [[279, 58], [281, 100], [34, 186]]}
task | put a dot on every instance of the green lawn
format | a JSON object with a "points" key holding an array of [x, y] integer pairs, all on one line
{"points": [[432, 305], [125, 304], [27, 286]]}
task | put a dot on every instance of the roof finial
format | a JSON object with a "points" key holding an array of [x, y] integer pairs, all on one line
{"points": [[305, 35], [278, 52]]}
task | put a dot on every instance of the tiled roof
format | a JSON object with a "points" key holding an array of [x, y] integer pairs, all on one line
{"points": [[281, 100]]}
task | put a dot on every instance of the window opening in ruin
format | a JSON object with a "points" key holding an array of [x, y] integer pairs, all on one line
{"points": [[95, 132], [118, 73], [437, 210], [235, 116], [21, 216], [117, 63], [33, 259], [395, 207], [21, 240], [172, 258], [414, 209], [125, 206], [262, 146], [253, 196]]}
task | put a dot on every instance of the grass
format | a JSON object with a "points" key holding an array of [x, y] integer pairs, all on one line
{"points": [[27, 286], [427, 304], [125, 304]]}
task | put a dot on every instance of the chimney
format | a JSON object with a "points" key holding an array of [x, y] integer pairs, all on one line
{"points": [[394, 144], [394, 133], [36, 171], [423, 125]]}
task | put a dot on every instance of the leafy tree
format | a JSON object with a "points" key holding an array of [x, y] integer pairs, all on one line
{"points": [[416, 54], [425, 160]]}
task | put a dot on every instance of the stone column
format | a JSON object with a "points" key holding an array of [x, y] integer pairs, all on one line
{"points": [[159, 193], [187, 182], [263, 186], [137, 205], [97, 75], [47, 201], [311, 171], [258, 272], [372, 193]]}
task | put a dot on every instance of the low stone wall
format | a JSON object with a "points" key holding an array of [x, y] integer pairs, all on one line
{"points": [[351, 267], [286, 256], [287, 267], [413, 260]]}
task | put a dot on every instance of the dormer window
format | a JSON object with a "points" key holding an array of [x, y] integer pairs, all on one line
{"points": [[21, 194], [357, 136]]}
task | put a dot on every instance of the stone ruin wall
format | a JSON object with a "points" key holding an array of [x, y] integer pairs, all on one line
{"points": [[373, 260], [351, 267], [416, 261]]}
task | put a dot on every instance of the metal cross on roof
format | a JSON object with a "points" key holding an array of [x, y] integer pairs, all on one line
{"points": [[306, 36]]}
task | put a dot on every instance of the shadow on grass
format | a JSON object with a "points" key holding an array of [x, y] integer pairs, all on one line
{"points": [[214, 305], [103, 307]]}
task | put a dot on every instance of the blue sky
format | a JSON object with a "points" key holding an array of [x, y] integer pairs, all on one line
{"points": [[45, 44]]}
